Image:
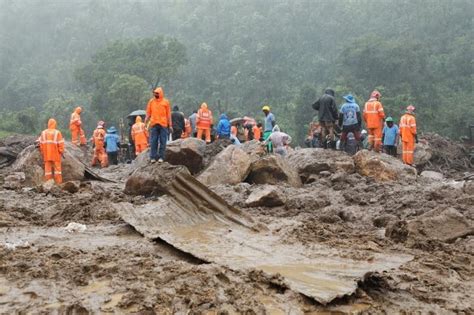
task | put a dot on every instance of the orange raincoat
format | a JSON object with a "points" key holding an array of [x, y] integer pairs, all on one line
{"points": [[408, 135], [187, 129], [52, 147], [75, 125], [204, 122], [374, 116], [158, 110], [139, 135], [99, 150]]}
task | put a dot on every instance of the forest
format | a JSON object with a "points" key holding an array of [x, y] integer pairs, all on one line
{"points": [[237, 56]]}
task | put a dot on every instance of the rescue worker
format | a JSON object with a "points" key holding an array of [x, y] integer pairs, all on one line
{"points": [[98, 138], [192, 120], [269, 123], [75, 125], [52, 148], [408, 134], [203, 122], [314, 134], [327, 115], [280, 141], [158, 114], [187, 129], [374, 120], [257, 131], [112, 145], [223, 127], [390, 137], [177, 122], [139, 135], [350, 119]]}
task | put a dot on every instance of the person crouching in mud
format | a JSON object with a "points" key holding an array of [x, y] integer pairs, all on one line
{"points": [[279, 140]]}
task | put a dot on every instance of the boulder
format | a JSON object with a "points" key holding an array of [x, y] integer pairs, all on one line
{"points": [[254, 149], [30, 162], [266, 196], [432, 175], [153, 179], [11, 146], [231, 166], [423, 153], [188, 152], [14, 180], [273, 170], [382, 167], [311, 161], [71, 186]]}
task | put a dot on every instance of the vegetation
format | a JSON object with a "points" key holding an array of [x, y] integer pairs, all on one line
{"points": [[236, 56]]}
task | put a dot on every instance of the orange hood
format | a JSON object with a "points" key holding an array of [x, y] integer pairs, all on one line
{"points": [[78, 110], [51, 123], [138, 119], [159, 90], [203, 106]]}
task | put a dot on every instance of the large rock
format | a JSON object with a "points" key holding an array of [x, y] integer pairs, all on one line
{"points": [[188, 152], [273, 170], [423, 153], [11, 146], [30, 162], [311, 161], [231, 166], [254, 149], [382, 167], [266, 196], [153, 179]]}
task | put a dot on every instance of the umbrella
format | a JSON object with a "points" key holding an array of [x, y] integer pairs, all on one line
{"points": [[244, 121], [139, 112]]}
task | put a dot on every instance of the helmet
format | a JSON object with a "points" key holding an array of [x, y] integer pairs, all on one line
{"points": [[389, 119], [375, 94], [266, 108], [411, 108]]}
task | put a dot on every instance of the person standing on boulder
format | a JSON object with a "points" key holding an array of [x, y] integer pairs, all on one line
{"points": [[98, 138], [75, 125], [139, 135], [408, 135], [52, 148], [223, 127], [327, 115], [374, 120], [178, 123], [203, 122], [158, 113], [390, 137], [280, 141], [269, 123], [350, 119]]}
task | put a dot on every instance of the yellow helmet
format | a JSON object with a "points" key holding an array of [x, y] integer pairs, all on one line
{"points": [[266, 108]]}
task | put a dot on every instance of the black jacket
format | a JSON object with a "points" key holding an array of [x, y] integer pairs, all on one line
{"points": [[326, 107], [177, 120]]}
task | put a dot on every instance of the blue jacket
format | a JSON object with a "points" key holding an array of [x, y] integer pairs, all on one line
{"points": [[223, 128], [112, 141]]}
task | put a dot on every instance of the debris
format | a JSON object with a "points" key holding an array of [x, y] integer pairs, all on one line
{"points": [[432, 175], [230, 166], [273, 170], [74, 227], [11, 146], [19, 244], [423, 153], [14, 180], [265, 196], [382, 167]]}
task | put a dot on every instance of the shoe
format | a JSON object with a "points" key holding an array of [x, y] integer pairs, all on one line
{"points": [[152, 161], [160, 161]]}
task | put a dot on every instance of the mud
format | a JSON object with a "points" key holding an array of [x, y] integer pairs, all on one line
{"points": [[111, 268]]}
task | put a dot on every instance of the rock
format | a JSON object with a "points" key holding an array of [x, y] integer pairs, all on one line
{"points": [[14, 180], [383, 220], [432, 175], [71, 186], [188, 152], [382, 167], [254, 149], [468, 187], [273, 170], [213, 149], [11, 146], [423, 153], [311, 161], [153, 179], [266, 196], [231, 166], [49, 187], [74, 227]]}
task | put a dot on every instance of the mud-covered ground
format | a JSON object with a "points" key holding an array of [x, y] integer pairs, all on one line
{"points": [[110, 268]]}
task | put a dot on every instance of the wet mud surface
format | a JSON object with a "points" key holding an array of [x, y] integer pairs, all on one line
{"points": [[111, 268]]}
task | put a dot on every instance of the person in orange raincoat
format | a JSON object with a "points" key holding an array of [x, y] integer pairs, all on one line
{"points": [[52, 148], [99, 146], [203, 122], [257, 131], [408, 135], [187, 129], [374, 117], [75, 125], [139, 135], [158, 113]]}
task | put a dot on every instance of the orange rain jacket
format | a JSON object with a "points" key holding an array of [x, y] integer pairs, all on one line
{"points": [[408, 127], [158, 110], [139, 132], [99, 136], [51, 143], [373, 114], [257, 132], [204, 117], [75, 122], [187, 129]]}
